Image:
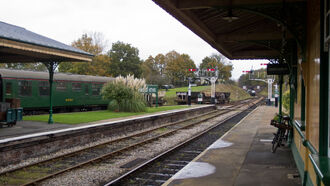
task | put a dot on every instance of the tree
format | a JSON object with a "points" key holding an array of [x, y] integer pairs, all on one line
{"points": [[125, 60], [218, 61], [160, 63], [153, 70], [177, 66], [247, 79], [91, 43], [24, 66], [95, 44]]}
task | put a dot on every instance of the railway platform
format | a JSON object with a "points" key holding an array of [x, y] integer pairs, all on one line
{"points": [[242, 157], [33, 127]]}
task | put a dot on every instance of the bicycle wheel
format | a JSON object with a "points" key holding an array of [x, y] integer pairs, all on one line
{"points": [[275, 141], [274, 146]]}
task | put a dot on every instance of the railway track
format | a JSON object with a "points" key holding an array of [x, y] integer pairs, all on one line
{"points": [[107, 151], [158, 170]]}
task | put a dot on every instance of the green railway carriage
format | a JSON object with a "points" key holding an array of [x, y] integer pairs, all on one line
{"points": [[70, 91]]}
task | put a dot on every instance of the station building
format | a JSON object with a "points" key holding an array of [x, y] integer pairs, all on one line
{"points": [[290, 33]]}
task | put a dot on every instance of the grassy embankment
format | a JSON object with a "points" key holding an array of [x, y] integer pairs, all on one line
{"points": [[236, 92], [85, 117]]}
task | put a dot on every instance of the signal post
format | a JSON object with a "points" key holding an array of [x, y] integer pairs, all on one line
{"points": [[212, 79]]}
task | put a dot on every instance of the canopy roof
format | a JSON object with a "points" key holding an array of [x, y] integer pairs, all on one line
{"points": [[20, 45], [242, 29]]}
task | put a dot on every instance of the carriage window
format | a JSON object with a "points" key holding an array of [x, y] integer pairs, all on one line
{"points": [[8, 88], [61, 86], [86, 90], [96, 89], [44, 88], [76, 87], [25, 88]]}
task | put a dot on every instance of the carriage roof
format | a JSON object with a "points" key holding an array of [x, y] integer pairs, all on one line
{"points": [[25, 74]]}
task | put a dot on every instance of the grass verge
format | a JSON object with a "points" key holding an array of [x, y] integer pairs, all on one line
{"points": [[171, 93], [237, 93], [85, 117]]}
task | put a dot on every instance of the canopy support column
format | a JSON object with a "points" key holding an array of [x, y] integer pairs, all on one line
{"points": [[51, 66], [281, 95]]}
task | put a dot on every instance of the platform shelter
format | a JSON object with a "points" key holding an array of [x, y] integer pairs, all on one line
{"points": [[18, 45], [294, 35]]}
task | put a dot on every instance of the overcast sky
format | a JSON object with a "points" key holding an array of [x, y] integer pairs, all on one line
{"points": [[139, 22]]}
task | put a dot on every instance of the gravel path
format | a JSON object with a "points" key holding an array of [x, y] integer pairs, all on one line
{"points": [[62, 152]]}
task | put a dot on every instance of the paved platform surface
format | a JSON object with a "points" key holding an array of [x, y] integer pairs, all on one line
{"points": [[242, 157], [31, 127]]}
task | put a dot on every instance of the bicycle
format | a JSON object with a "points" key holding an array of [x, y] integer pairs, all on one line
{"points": [[282, 132]]}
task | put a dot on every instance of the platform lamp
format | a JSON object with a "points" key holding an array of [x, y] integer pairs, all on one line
{"points": [[230, 17]]}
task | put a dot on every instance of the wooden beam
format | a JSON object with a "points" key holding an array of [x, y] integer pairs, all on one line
{"points": [[199, 4], [18, 58], [254, 53], [235, 37]]}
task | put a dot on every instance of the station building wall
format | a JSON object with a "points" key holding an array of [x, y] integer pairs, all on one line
{"points": [[308, 77]]}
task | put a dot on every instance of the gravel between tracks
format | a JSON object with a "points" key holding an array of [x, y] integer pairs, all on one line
{"points": [[103, 172], [61, 152]]}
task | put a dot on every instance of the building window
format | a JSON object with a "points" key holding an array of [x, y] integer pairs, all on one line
{"points": [[44, 88], [76, 87], [96, 89], [61, 86], [9, 89], [25, 88]]}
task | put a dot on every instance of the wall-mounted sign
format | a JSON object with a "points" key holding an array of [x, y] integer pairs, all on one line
{"points": [[278, 69]]}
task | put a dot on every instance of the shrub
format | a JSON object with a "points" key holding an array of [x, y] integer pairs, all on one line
{"points": [[113, 105], [133, 105], [116, 91], [123, 94]]}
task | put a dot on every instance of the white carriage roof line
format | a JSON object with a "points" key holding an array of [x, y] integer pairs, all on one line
{"points": [[24, 74]]}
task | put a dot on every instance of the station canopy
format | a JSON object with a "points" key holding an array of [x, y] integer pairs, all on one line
{"points": [[20, 45], [243, 29]]}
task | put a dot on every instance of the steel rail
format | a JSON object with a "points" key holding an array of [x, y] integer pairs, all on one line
{"points": [[108, 155], [117, 151], [145, 164], [104, 143]]}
